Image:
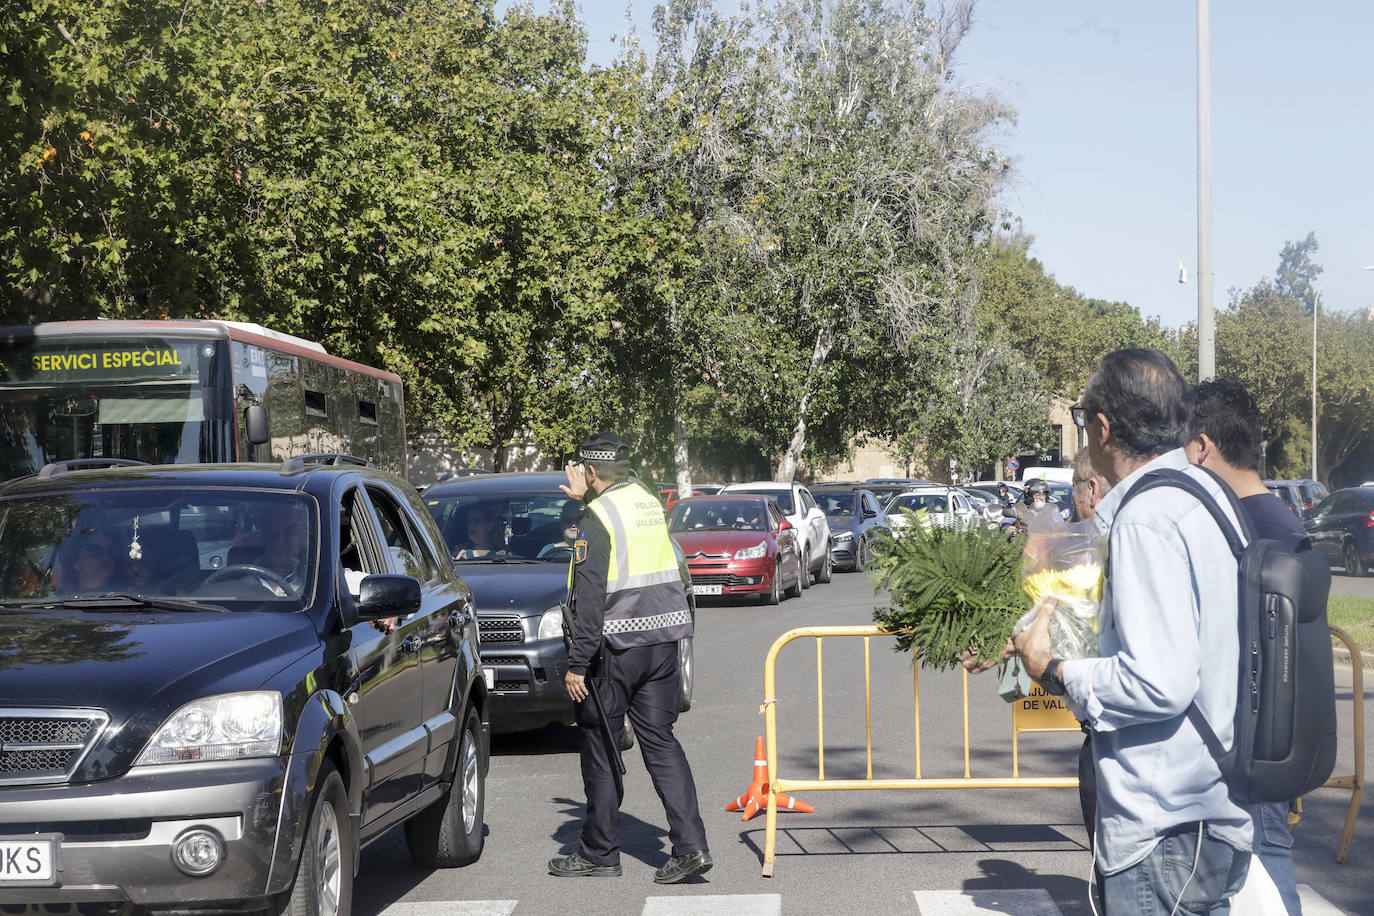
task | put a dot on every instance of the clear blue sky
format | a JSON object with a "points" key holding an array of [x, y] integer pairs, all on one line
{"points": [[1105, 141]]}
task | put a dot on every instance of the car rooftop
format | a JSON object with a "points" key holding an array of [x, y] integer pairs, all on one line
{"points": [[290, 474]]}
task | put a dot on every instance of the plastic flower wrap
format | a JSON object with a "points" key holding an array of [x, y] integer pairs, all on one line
{"points": [[1063, 561]]}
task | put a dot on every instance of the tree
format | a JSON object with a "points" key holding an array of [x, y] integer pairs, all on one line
{"points": [[872, 182], [1294, 276]]}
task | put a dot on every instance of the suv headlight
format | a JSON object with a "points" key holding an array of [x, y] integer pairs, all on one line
{"points": [[551, 624], [230, 726], [844, 536], [752, 553]]}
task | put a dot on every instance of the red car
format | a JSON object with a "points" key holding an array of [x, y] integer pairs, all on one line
{"points": [[737, 545]]}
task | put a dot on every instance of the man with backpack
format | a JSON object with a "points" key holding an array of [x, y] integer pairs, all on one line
{"points": [[1224, 435], [1168, 644]]}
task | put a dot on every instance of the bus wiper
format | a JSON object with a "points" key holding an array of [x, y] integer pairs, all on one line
{"points": [[115, 601]]}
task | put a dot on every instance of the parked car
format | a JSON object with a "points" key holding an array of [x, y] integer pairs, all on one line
{"points": [[1342, 528], [941, 505], [224, 734], [857, 523], [1301, 495], [738, 545], [813, 531], [520, 583], [987, 504]]}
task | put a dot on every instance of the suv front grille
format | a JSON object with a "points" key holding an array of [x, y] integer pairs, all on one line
{"points": [[500, 631], [45, 745]]}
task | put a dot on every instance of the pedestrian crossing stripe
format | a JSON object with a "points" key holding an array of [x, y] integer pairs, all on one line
{"points": [[1022, 901]]}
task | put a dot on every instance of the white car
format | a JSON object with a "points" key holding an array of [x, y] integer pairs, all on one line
{"points": [[813, 530], [943, 506]]}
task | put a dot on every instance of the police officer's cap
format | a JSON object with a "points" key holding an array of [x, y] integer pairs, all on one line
{"points": [[604, 447]]}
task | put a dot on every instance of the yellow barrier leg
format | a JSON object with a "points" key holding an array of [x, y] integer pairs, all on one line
{"points": [[1354, 783]]}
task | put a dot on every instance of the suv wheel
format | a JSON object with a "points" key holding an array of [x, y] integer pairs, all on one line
{"points": [[1354, 566], [861, 556], [686, 673], [324, 875], [806, 569], [825, 574], [449, 832]]}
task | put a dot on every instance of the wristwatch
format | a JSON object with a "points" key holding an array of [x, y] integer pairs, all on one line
{"points": [[1050, 681]]}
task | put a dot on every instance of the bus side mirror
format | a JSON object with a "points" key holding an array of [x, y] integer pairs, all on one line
{"points": [[255, 424]]}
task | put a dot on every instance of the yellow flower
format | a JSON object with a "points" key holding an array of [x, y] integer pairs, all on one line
{"points": [[50, 154], [85, 135], [1082, 581]]}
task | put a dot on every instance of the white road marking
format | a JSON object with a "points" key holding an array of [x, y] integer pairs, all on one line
{"points": [[714, 905], [453, 908], [1314, 904], [1035, 902]]}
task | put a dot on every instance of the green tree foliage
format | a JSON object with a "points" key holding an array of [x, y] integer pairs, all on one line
{"points": [[1294, 276]]}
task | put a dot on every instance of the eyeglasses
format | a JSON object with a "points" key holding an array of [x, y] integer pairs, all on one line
{"points": [[1080, 415]]}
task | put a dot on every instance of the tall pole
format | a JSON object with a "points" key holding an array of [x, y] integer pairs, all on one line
{"points": [[1206, 320]]}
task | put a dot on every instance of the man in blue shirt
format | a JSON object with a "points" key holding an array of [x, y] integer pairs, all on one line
{"points": [[1224, 435], [1169, 838]]}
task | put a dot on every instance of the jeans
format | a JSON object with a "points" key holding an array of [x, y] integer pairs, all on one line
{"points": [[1162, 879], [1274, 846]]}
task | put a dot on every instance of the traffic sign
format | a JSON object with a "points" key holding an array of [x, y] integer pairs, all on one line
{"points": [[1013, 464]]}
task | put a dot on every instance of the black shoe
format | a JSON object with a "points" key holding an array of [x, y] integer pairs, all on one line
{"points": [[574, 866], [680, 868]]}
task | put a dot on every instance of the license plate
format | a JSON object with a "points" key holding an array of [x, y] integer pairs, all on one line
{"points": [[489, 675], [28, 861], [706, 589]]}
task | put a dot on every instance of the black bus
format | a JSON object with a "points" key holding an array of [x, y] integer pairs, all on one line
{"points": [[176, 392]]}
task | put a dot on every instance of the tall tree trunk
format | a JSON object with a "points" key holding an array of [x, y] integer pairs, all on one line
{"points": [[681, 453], [787, 467]]}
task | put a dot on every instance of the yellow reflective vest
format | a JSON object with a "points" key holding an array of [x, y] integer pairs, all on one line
{"points": [[645, 598]]}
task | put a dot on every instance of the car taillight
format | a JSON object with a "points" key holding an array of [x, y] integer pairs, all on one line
{"points": [[1369, 522]]}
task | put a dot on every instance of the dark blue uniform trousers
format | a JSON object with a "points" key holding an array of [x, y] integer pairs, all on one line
{"points": [[643, 684]]}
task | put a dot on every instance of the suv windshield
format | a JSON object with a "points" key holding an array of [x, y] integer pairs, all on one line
{"points": [[782, 496], [234, 549], [837, 505], [492, 526], [718, 515]]}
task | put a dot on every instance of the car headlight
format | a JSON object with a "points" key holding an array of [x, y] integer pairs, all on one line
{"points": [[844, 536], [752, 553], [551, 624], [230, 726]]}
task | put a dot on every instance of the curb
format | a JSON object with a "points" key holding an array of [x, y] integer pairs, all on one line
{"points": [[1341, 656]]}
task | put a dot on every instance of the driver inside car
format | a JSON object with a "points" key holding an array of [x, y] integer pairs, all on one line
{"points": [[568, 516], [285, 537]]}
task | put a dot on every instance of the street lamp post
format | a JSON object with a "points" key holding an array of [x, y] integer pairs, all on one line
{"points": [[1316, 306]]}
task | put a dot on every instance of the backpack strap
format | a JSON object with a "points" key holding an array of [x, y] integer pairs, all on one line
{"points": [[1171, 477]]}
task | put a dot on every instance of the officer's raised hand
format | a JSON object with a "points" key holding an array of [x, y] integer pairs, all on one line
{"points": [[576, 487]]}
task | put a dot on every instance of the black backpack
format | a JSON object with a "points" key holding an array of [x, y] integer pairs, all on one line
{"points": [[1285, 729]]}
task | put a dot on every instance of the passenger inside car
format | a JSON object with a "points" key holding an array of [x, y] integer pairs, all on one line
{"points": [[485, 535], [86, 566]]}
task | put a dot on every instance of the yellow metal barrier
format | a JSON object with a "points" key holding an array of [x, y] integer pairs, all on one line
{"points": [[1354, 783], [1045, 715]]}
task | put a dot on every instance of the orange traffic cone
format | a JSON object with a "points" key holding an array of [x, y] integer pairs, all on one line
{"points": [[756, 796]]}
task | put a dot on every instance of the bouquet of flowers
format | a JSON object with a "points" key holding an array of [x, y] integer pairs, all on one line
{"points": [[952, 588], [1063, 561]]}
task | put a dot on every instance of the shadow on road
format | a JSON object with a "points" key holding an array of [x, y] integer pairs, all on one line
{"points": [[638, 839], [553, 739]]}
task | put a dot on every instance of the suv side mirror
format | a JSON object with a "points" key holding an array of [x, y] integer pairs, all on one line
{"points": [[784, 525], [388, 596], [869, 513], [255, 424]]}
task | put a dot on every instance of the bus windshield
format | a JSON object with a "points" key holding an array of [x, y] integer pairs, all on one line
{"points": [[148, 400]]}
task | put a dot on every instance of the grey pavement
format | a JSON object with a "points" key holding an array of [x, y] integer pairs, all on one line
{"points": [[866, 852]]}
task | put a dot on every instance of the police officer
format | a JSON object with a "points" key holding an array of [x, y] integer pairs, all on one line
{"points": [[629, 595]]}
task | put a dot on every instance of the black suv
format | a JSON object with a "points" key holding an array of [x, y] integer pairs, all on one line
{"points": [[220, 682], [512, 537]]}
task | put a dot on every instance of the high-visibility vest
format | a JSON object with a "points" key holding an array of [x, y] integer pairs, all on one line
{"points": [[645, 600]]}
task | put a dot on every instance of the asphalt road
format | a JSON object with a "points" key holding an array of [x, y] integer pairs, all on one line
{"points": [[865, 852]]}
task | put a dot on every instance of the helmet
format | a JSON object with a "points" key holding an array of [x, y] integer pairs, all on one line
{"points": [[1034, 487]]}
